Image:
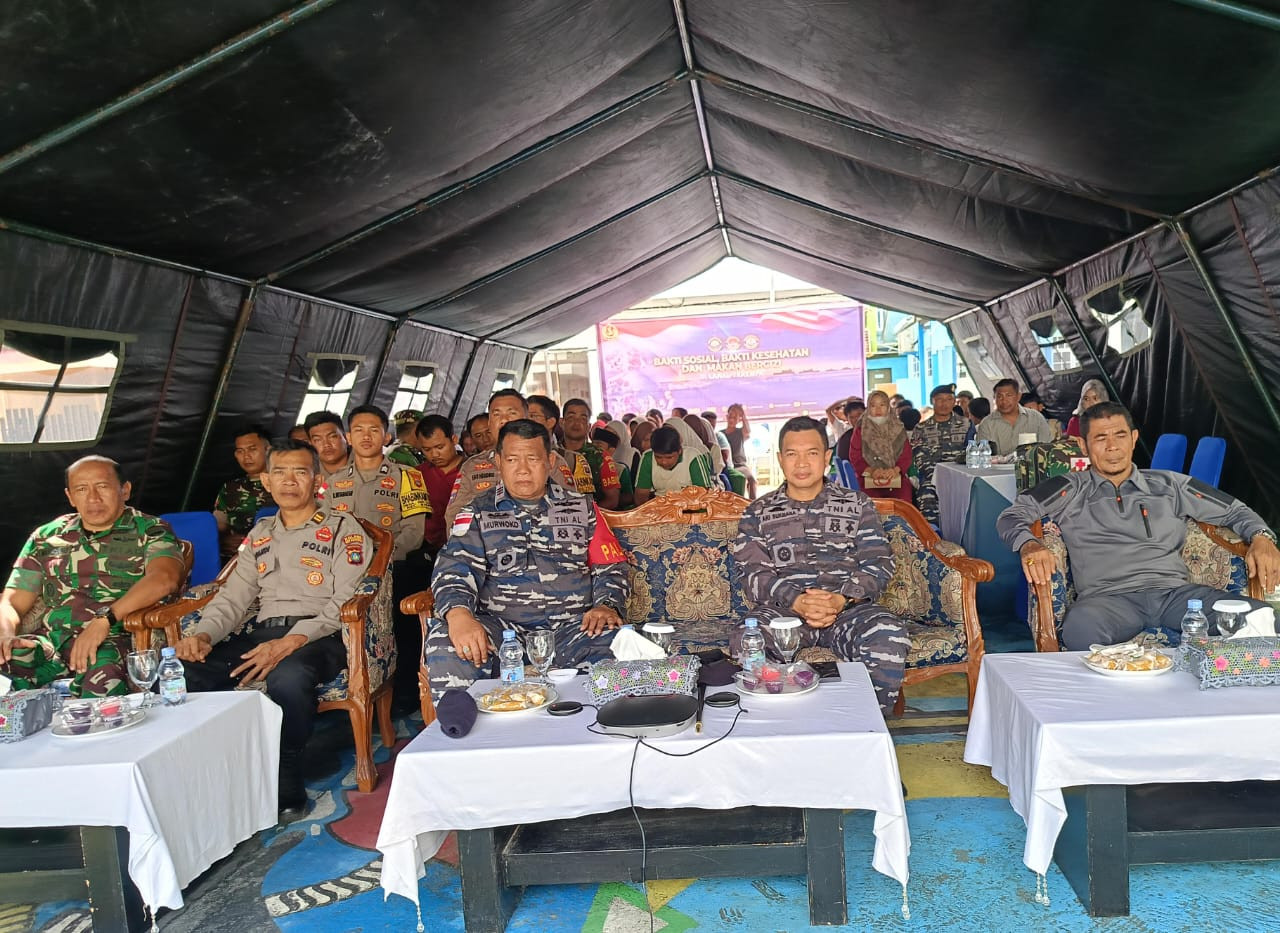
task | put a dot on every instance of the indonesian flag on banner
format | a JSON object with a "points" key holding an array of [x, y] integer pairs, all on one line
{"points": [[604, 548]]}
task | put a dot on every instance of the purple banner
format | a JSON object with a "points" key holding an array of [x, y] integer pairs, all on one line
{"points": [[775, 363]]}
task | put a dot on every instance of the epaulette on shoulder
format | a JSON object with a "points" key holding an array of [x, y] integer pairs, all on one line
{"points": [[318, 518], [1202, 490], [1050, 489]]}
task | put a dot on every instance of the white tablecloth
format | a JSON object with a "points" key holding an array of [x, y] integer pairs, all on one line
{"points": [[188, 783], [826, 749], [953, 481], [1043, 722]]}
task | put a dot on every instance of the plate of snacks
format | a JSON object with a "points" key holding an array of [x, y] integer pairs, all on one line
{"points": [[516, 698], [1127, 660], [773, 680]]}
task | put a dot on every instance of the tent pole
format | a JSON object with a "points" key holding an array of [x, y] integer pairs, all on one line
{"points": [[1233, 330], [1239, 11], [224, 378], [466, 374], [164, 82], [444, 194], [382, 362], [569, 241], [919, 145]]}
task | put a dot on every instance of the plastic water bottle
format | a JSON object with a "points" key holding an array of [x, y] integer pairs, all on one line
{"points": [[510, 659], [173, 678], [1194, 624], [971, 454], [984, 454], [752, 646]]}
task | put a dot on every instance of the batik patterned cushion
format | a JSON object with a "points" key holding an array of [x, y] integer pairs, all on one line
{"points": [[923, 589], [684, 575], [932, 645]]}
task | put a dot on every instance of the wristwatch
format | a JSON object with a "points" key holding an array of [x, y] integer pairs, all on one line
{"points": [[108, 613], [1266, 533]]}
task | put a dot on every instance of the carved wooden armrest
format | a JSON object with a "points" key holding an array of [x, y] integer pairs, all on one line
{"points": [[420, 603]]}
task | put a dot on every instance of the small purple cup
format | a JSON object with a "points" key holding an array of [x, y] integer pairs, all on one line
{"points": [[78, 716]]}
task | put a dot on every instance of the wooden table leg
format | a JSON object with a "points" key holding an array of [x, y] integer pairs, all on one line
{"points": [[114, 902], [1093, 848], [487, 902], [824, 850]]}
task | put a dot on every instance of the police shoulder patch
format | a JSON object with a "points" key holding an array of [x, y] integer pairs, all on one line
{"points": [[1050, 489]]}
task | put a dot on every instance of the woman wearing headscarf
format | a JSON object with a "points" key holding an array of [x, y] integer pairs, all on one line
{"points": [[692, 444], [880, 451], [615, 438], [702, 427], [640, 438], [1091, 393]]}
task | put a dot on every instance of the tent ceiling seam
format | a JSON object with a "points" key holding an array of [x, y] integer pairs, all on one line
{"points": [[863, 222], [458, 187], [163, 83], [903, 283], [686, 47], [913, 142], [568, 241], [584, 291], [1239, 11]]}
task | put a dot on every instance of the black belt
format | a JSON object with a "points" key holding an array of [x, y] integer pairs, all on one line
{"points": [[281, 621]]}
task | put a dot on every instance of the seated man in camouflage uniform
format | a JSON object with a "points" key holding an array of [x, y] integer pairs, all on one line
{"points": [[480, 473], [240, 499], [91, 567], [526, 554], [939, 439], [405, 449], [817, 551], [301, 565]]}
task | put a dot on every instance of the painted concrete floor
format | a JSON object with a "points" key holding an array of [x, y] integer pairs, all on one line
{"points": [[320, 875]]}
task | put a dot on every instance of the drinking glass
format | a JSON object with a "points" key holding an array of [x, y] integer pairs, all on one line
{"points": [[1229, 614], [660, 633], [540, 644], [786, 636], [144, 669]]}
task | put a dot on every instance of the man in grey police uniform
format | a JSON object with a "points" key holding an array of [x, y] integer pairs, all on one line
{"points": [[524, 555], [817, 551], [1125, 529], [302, 565]]}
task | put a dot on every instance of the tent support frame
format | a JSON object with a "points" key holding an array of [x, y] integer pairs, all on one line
{"points": [[164, 82], [1228, 321], [1239, 11], [224, 379], [466, 374]]}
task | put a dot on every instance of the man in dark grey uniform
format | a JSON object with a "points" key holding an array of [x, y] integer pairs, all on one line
{"points": [[817, 551], [1125, 529], [302, 565], [526, 554], [936, 440]]}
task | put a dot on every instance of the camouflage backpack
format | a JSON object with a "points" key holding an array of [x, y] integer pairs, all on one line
{"points": [[1039, 462]]}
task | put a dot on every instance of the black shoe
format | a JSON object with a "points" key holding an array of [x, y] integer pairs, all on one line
{"points": [[292, 793]]}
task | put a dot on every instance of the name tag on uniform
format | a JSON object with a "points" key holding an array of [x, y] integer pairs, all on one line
{"points": [[573, 512], [777, 516], [498, 521], [844, 508]]}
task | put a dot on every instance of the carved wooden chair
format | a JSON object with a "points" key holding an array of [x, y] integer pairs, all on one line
{"points": [[1214, 557], [934, 590], [364, 687]]}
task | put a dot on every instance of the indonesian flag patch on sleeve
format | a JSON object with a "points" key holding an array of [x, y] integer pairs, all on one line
{"points": [[604, 548], [462, 523]]}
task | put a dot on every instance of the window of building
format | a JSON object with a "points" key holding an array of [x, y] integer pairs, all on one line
{"points": [[414, 391], [1057, 352], [561, 374], [503, 379], [332, 379], [56, 385], [1117, 307]]}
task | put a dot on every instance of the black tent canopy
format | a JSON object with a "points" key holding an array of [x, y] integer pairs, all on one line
{"points": [[244, 189]]}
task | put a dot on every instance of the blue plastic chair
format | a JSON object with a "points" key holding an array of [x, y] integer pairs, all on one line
{"points": [[848, 475], [201, 529], [1170, 453], [1206, 463]]}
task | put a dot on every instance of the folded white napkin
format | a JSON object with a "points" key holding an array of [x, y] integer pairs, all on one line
{"points": [[1260, 623], [630, 645]]}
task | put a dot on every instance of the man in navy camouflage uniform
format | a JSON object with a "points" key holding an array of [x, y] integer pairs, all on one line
{"points": [[817, 551], [940, 439], [524, 555]]}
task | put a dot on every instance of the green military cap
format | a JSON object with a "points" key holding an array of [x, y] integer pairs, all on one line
{"points": [[402, 419]]}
